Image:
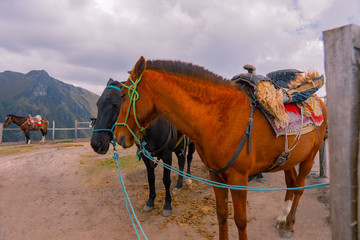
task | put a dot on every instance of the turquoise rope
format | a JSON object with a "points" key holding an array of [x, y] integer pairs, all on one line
{"points": [[114, 87], [219, 184], [135, 222]]}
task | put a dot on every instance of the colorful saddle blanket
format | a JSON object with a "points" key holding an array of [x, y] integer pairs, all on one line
{"points": [[36, 120], [311, 118]]}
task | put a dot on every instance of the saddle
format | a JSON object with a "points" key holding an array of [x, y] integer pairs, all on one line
{"points": [[288, 102], [286, 97], [36, 120], [276, 91]]}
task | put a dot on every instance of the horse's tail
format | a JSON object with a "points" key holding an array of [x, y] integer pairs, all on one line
{"points": [[325, 117], [45, 125]]}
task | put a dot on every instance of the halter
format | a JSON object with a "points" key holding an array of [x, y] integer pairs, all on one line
{"points": [[134, 96]]}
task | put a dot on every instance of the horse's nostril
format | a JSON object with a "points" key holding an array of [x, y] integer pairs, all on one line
{"points": [[96, 145], [122, 141]]}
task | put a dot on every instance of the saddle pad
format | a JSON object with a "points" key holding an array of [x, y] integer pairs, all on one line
{"points": [[31, 122], [312, 117]]}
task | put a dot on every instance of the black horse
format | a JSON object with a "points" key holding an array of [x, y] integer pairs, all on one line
{"points": [[161, 137]]}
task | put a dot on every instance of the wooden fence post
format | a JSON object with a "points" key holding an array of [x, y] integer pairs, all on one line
{"points": [[1, 131], [342, 67], [53, 130], [76, 127]]}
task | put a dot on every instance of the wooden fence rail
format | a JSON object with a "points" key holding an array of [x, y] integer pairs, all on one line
{"points": [[76, 128]]}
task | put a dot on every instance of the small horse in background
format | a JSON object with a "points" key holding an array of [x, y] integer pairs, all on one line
{"points": [[162, 139], [215, 114], [26, 126]]}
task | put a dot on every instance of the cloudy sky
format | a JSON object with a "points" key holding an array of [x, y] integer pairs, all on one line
{"points": [[85, 42]]}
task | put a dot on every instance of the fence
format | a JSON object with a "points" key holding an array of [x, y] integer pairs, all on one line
{"points": [[342, 67], [76, 128]]}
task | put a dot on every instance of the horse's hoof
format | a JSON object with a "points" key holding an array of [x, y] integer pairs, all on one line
{"points": [[175, 191], [260, 180], [286, 234], [279, 224], [167, 213], [147, 208], [188, 181]]}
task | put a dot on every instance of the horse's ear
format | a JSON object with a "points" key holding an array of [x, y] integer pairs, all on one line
{"points": [[119, 84], [139, 68], [110, 81]]}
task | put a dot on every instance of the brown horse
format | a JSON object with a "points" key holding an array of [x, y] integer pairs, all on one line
{"points": [[26, 127], [214, 114]]}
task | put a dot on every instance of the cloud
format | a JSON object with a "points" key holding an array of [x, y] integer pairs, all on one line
{"points": [[86, 42]]}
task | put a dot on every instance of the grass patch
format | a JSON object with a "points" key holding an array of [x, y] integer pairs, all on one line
{"points": [[69, 146], [9, 150], [63, 141], [128, 163]]}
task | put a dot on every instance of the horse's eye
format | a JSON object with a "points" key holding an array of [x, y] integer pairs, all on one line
{"points": [[122, 96]]}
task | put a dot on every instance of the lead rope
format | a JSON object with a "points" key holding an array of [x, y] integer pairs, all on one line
{"points": [[219, 184], [135, 222]]}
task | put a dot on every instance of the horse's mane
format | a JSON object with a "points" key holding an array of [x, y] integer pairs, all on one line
{"points": [[11, 115], [187, 69]]}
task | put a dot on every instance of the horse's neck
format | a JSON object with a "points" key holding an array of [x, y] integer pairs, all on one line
{"points": [[156, 136], [19, 121], [195, 108]]}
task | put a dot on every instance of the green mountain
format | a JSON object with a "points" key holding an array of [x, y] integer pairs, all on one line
{"points": [[38, 93]]}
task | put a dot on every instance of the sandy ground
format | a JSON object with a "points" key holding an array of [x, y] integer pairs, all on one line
{"points": [[66, 191]]}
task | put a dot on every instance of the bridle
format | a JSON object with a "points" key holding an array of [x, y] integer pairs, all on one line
{"points": [[8, 120], [134, 96]]}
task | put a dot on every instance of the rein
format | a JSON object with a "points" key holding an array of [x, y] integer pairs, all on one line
{"points": [[247, 134]]}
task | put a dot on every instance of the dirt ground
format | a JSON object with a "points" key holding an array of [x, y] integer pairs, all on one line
{"points": [[63, 190]]}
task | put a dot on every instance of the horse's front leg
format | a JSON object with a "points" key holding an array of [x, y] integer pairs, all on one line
{"points": [[222, 210], [151, 181], [239, 198], [27, 136], [290, 178], [167, 182]]}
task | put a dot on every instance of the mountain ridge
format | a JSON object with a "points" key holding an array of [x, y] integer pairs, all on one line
{"points": [[36, 92]]}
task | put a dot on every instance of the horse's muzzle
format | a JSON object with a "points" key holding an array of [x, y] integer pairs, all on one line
{"points": [[100, 145]]}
